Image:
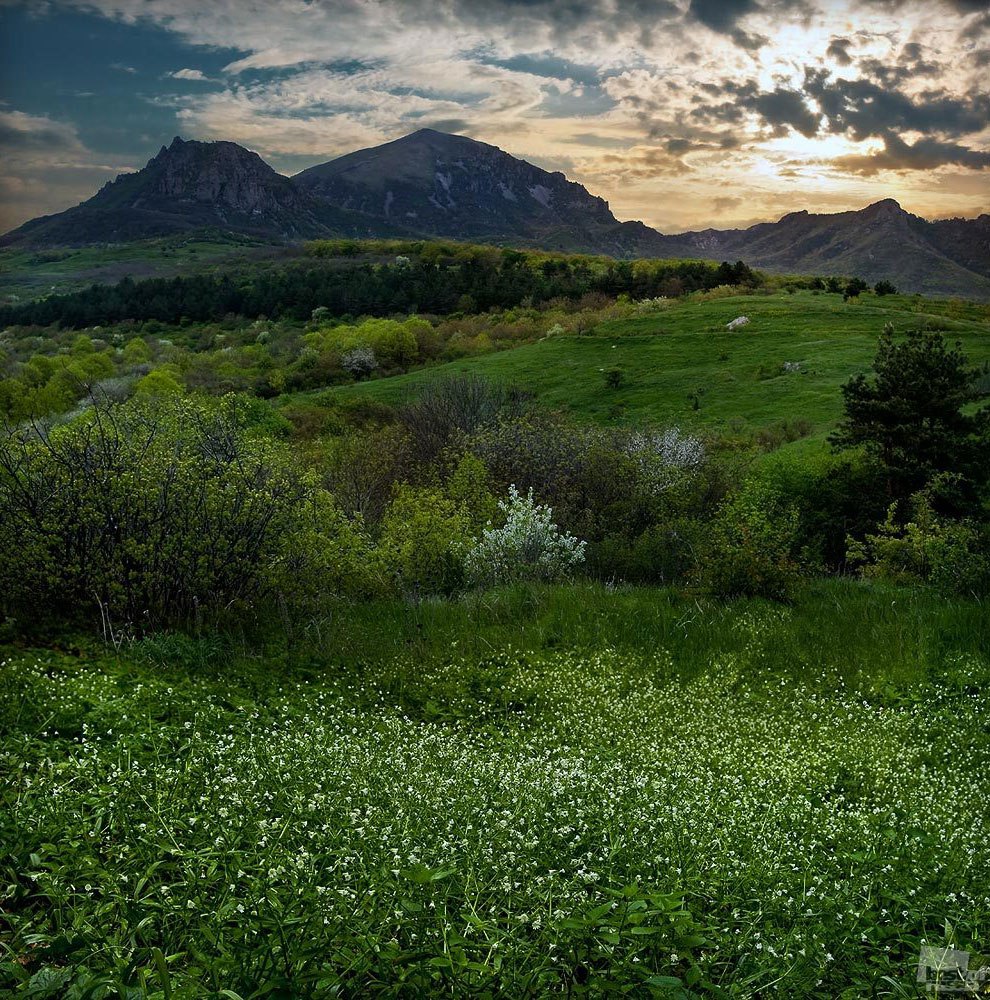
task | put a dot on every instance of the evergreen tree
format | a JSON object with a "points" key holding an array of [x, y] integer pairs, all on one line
{"points": [[912, 419]]}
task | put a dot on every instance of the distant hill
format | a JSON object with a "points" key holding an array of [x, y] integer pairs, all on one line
{"points": [[456, 187], [433, 184], [951, 257]]}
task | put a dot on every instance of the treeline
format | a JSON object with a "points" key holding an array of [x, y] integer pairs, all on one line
{"points": [[468, 282]]}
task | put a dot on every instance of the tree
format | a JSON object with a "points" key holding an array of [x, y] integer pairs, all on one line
{"points": [[885, 288], [853, 288], [910, 416]]}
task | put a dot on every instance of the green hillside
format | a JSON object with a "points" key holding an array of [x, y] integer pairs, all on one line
{"points": [[682, 364]]}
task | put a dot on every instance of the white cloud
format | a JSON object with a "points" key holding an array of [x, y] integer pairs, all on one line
{"points": [[46, 167], [188, 74]]}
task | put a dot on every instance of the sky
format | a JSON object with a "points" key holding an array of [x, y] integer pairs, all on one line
{"points": [[682, 113]]}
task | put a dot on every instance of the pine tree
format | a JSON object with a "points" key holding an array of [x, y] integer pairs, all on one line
{"points": [[911, 417]]}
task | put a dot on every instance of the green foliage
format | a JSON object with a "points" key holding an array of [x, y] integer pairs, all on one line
{"points": [[952, 555], [884, 288], [751, 549], [535, 792], [163, 381], [614, 378], [853, 288], [912, 417], [136, 352], [326, 556], [151, 513], [469, 487], [424, 537]]}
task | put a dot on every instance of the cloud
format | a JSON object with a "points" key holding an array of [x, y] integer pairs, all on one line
{"points": [[720, 15], [46, 167], [655, 102], [925, 154], [838, 49], [189, 74], [786, 108], [863, 108]]}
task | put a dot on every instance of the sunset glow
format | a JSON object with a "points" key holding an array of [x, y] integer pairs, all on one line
{"points": [[681, 114]]}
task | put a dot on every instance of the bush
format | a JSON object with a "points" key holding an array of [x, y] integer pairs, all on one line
{"points": [[664, 554], [152, 512], [424, 537], [529, 546], [751, 546], [953, 556]]}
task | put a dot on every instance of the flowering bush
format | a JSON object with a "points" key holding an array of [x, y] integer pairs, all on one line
{"points": [[661, 457], [529, 546], [359, 361]]}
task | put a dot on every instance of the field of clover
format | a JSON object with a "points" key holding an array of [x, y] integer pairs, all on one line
{"points": [[559, 822]]}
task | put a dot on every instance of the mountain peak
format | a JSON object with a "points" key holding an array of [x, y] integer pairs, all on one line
{"points": [[885, 208], [452, 185]]}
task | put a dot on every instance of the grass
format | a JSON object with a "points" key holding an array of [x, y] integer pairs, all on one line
{"points": [[539, 791], [682, 366]]}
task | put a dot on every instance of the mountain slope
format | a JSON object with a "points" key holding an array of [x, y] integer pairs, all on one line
{"points": [[433, 184], [879, 241]]}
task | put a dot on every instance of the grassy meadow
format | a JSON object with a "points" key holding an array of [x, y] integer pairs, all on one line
{"points": [[681, 365], [324, 674], [573, 791]]}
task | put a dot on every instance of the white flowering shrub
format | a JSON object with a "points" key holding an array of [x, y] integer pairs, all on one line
{"points": [[657, 304], [662, 456], [529, 546], [360, 361]]}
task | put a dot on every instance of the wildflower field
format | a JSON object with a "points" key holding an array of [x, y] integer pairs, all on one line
{"points": [[539, 791]]}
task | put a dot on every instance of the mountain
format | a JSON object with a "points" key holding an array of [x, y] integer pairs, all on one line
{"points": [[192, 185], [950, 257], [456, 187], [433, 184]]}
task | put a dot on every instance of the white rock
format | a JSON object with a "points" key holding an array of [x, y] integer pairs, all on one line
{"points": [[737, 322]]}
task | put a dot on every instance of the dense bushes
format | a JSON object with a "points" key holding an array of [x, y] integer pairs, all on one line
{"points": [[166, 510], [156, 512], [951, 555]]}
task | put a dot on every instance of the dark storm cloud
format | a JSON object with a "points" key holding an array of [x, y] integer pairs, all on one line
{"points": [[838, 50], [782, 108], [925, 154], [721, 15], [863, 108], [779, 109]]}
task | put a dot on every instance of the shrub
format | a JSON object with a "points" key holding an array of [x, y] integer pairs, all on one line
{"points": [[424, 537], [614, 378], [853, 288], [326, 555], [952, 555], [664, 456], [751, 546], [360, 361], [529, 546], [449, 408], [155, 512]]}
